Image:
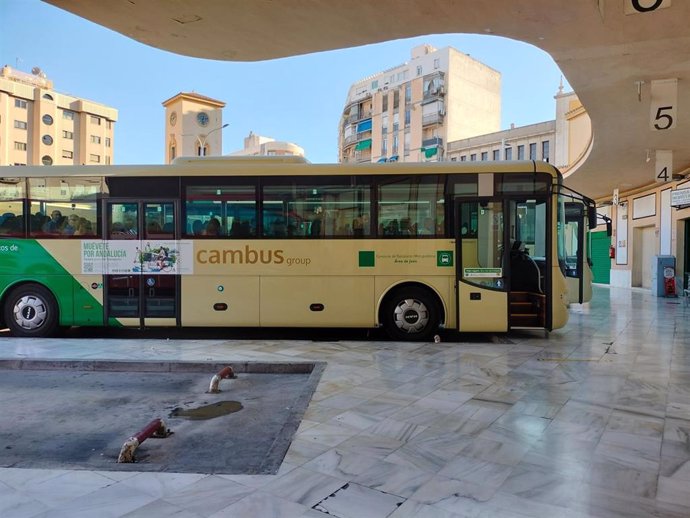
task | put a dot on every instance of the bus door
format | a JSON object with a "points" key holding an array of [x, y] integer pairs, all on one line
{"points": [[529, 264], [579, 215], [481, 237], [142, 276]]}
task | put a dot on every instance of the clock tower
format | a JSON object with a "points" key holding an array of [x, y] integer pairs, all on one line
{"points": [[193, 126]]}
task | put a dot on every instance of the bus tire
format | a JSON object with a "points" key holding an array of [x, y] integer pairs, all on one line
{"points": [[411, 313], [31, 311]]}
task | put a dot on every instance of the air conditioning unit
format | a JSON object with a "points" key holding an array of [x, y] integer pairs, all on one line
{"points": [[442, 112]]}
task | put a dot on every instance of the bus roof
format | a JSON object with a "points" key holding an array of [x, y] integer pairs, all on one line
{"points": [[276, 166]]}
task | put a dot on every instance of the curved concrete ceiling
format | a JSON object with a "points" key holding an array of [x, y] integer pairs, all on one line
{"points": [[602, 51]]}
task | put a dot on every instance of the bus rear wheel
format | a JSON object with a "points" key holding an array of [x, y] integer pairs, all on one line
{"points": [[411, 313], [31, 311]]}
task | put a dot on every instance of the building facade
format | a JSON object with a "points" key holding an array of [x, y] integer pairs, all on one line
{"points": [[532, 142], [193, 126], [564, 141], [41, 126], [409, 112], [257, 145]]}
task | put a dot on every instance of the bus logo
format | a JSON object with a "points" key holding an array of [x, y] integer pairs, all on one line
{"points": [[444, 258]]}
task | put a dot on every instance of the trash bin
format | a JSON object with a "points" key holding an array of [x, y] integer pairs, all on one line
{"points": [[663, 276]]}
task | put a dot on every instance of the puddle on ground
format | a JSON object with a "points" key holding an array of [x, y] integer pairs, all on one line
{"points": [[207, 411]]}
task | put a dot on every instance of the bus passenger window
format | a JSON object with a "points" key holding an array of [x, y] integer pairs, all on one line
{"points": [[232, 206], [316, 208], [411, 207]]}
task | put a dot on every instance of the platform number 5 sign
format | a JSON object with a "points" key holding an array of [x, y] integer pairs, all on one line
{"points": [[663, 106]]}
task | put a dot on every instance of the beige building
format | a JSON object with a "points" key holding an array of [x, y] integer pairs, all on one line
{"points": [[257, 145], [41, 126], [531, 142], [193, 126], [564, 142], [409, 112]]}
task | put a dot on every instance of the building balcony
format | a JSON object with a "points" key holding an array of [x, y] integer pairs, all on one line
{"points": [[357, 137], [356, 117], [432, 142], [433, 95], [433, 118]]}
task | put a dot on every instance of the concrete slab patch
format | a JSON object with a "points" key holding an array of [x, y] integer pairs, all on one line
{"points": [[354, 500], [77, 414]]}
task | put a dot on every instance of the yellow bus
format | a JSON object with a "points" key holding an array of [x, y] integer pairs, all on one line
{"points": [[280, 242]]}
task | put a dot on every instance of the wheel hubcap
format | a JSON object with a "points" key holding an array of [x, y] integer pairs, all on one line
{"points": [[411, 316], [30, 312]]}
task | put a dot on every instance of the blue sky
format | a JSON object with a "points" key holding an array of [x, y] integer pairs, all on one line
{"points": [[298, 99]]}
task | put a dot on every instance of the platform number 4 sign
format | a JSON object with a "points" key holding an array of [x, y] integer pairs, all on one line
{"points": [[663, 106], [664, 166]]}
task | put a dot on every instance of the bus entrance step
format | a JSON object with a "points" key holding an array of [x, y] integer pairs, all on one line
{"points": [[525, 320]]}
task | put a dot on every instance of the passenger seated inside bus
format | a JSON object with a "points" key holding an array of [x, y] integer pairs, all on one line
{"points": [[406, 228], [117, 228], [392, 228], [357, 227], [120, 230], [525, 273], [153, 227], [84, 228], [240, 228], [11, 226], [54, 224], [197, 227], [130, 226], [213, 228], [70, 226]]}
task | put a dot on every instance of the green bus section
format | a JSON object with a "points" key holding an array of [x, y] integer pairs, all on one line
{"points": [[26, 261], [601, 268]]}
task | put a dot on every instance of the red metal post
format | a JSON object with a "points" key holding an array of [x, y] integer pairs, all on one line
{"points": [[224, 373], [154, 428]]}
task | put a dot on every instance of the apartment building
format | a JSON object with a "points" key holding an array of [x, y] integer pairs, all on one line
{"points": [[41, 126], [409, 112], [258, 145]]}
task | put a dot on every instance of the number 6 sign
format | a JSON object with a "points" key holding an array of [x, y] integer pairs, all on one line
{"points": [[645, 6]]}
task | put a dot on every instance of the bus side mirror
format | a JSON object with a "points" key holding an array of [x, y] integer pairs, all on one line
{"points": [[592, 216], [609, 228]]}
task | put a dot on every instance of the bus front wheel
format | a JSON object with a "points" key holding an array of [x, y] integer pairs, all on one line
{"points": [[31, 311], [411, 314]]}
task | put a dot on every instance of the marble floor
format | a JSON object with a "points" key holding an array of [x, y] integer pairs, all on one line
{"points": [[593, 420]]}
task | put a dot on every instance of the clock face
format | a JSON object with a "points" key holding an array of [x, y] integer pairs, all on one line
{"points": [[173, 118], [202, 118]]}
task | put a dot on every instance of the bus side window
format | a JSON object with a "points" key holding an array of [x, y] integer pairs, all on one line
{"points": [[12, 225]]}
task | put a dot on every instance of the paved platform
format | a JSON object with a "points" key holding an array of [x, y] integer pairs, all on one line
{"points": [[591, 420], [78, 414]]}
